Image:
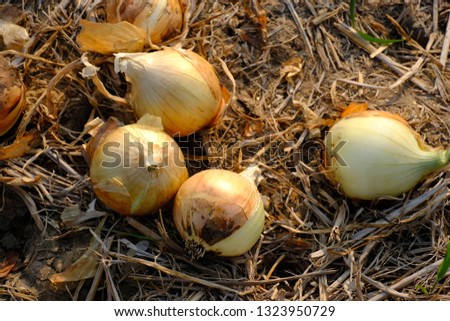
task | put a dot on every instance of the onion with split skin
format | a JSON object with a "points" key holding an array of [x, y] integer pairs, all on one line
{"points": [[219, 211], [373, 154], [136, 169]]}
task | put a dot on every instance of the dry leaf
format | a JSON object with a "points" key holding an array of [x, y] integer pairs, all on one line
{"points": [[255, 32], [17, 149], [86, 266], [73, 215], [89, 69], [11, 13]]}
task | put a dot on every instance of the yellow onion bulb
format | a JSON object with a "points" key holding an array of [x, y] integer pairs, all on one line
{"points": [[136, 169], [159, 19], [376, 154], [219, 211], [177, 85]]}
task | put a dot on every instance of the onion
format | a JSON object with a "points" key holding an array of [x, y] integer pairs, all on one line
{"points": [[160, 19], [219, 211], [177, 85], [138, 168]]}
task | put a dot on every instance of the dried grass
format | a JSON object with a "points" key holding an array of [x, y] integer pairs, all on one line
{"points": [[317, 244]]}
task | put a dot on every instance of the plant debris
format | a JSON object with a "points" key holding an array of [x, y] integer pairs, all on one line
{"points": [[294, 66]]}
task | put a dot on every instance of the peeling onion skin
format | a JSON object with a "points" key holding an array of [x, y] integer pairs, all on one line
{"points": [[219, 211], [370, 155]]}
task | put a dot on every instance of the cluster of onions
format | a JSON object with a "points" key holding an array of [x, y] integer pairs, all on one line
{"points": [[219, 211], [373, 154], [12, 96], [136, 169], [175, 84]]}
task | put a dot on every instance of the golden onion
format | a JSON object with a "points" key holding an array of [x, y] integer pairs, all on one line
{"points": [[137, 168], [219, 211], [373, 154], [177, 85]]}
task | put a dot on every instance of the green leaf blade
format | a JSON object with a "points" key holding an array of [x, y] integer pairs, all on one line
{"points": [[352, 12], [367, 37]]}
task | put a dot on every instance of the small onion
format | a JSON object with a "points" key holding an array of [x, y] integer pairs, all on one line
{"points": [[373, 154], [137, 168], [177, 85], [219, 211]]}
